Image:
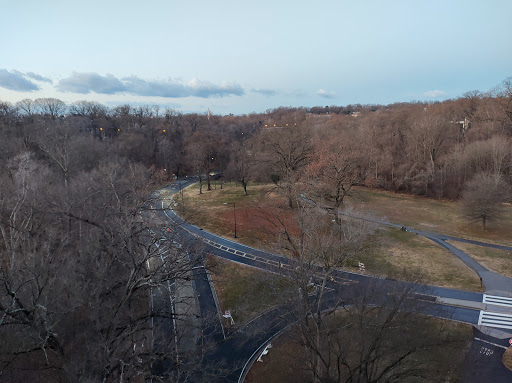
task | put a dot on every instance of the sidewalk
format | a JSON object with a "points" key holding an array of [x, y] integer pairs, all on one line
{"points": [[500, 333]]}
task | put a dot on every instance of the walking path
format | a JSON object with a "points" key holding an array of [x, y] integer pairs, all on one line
{"points": [[494, 283], [494, 320]]}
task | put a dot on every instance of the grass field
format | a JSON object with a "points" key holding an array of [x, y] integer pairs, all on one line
{"points": [[430, 215], [391, 253], [208, 211], [403, 255], [285, 361], [499, 261], [246, 291]]}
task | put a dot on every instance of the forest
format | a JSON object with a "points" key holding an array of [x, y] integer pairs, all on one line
{"points": [[429, 149], [75, 180]]}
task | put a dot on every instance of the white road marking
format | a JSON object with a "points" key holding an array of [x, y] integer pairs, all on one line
{"points": [[498, 320], [494, 344], [497, 300]]}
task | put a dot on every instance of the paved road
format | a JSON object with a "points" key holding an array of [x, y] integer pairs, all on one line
{"points": [[232, 353], [483, 361]]}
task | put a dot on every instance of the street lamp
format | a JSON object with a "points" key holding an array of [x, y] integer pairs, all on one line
{"points": [[234, 212], [182, 201]]}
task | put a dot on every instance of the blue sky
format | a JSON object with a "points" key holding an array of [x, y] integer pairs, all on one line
{"points": [[240, 56]]}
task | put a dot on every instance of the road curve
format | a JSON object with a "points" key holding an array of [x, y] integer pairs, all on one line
{"points": [[238, 348]]}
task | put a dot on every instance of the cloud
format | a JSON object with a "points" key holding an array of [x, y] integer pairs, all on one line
{"points": [[109, 84], [434, 93], [325, 94], [38, 77], [16, 81], [206, 89], [91, 82], [265, 92], [140, 87]]}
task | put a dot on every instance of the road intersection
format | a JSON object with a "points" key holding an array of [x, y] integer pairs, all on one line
{"points": [[491, 314]]}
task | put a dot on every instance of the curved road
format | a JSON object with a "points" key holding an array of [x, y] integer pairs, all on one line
{"points": [[233, 354]]}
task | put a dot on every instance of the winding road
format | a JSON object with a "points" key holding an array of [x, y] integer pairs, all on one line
{"points": [[234, 354]]}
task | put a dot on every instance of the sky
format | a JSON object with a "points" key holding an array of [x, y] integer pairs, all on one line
{"points": [[249, 56]]}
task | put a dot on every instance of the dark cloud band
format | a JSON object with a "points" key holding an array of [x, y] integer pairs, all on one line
{"points": [[92, 82], [16, 81]]}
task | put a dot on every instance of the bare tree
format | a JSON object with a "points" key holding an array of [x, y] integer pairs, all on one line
{"points": [[483, 197], [503, 97], [99, 274], [376, 337], [27, 106], [8, 113], [205, 150], [365, 334], [337, 165], [427, 136], [241, 166], [50, 107], [287, 150], [316, 247]]}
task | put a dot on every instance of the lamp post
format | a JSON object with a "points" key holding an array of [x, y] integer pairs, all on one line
{"points": [[182, 202], [234, 212]]}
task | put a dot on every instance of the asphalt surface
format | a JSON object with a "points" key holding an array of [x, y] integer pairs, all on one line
{"points": [[484, 360], [233, 351], [492, 281]]}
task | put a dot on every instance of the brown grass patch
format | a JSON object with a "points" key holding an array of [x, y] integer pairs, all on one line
{"points": [[394, 254], [407, 256], [255, 213], [282, 364], [244, 290], [422, 213], [507, 358], [499, 261], [285, 361], [436, 265]]}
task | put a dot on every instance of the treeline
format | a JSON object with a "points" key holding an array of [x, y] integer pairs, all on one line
{"points": [[429, 149]]}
